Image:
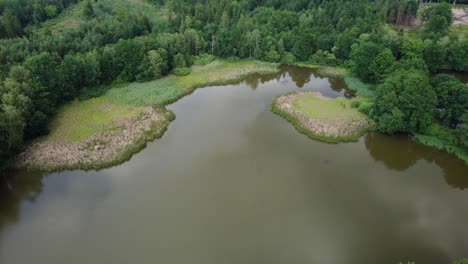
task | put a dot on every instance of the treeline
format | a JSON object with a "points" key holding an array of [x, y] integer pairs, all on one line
{"points": [[44, 69], [410, 96], [41, 71], [15, 15]]}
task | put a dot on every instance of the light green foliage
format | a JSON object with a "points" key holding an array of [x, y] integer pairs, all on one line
{"points": [[159, 62], [81, 119], [359, 87], [182, 71], [204, 59]]}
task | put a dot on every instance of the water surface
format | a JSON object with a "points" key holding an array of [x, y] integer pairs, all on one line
{"points": [[230, 183]]}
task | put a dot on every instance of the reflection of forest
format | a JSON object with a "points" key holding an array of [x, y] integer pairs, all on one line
{"points": [[14, 189], [300, 76], [400, 153]]}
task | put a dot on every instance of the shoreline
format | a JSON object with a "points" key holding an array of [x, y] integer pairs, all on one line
{"points": [[329, 130], [130, 135], [101, 150]]}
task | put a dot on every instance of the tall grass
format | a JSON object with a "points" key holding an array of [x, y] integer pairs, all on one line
{"points": [[169, 89], [442, 138], [359, 87]]}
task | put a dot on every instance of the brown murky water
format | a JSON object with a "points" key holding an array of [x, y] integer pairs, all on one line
{"points": [[230, 182]]}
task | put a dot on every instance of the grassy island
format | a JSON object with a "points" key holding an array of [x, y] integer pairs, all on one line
{"points": [[107, 130], [323, 118]]}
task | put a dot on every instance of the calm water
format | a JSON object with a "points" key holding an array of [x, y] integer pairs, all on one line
{"points": [[232, 183]]}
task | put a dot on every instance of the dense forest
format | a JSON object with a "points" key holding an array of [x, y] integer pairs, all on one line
{"points": [[42, 67]]}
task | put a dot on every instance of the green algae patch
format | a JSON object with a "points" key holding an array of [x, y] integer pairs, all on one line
{"points": [[323, 118]]}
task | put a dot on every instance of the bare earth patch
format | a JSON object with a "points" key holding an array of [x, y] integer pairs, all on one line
{"points": [[323, 118], [101, 149], [460, 16]]}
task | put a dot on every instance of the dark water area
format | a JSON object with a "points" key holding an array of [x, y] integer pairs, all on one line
{"points": [[231, 182], [462, 76]]}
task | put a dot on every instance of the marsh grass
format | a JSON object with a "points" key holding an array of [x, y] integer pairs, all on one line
{"points": [[441, 138], [78, 120], [329, 120], [327, 71], [360, 88]]}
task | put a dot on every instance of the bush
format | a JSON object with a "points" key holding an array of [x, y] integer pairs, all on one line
{"points": [[324, 58], [366, 108], [288, 58], [183, 71], [355, 104], [204, 59]]}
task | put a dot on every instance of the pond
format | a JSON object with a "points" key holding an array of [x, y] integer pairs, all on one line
{"points": [[231, 182]]}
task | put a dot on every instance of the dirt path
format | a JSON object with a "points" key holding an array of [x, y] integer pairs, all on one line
{"points": [[460, 16]]}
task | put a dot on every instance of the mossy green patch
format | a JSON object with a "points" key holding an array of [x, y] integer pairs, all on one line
{"points": [[339, 108], [79, 120]]}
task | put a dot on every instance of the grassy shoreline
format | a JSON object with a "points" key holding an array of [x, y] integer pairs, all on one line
{"points": [[298, 121], [131, 97], [439, 144]]}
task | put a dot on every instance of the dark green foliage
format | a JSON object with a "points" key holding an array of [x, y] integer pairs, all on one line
{"points": [[462, 132], [88, 10], [324, 58], [437, 18], [452, 99], [365, 55], [382, 65], [435, 55], [458, 55], [405, 102], [16, 15]]}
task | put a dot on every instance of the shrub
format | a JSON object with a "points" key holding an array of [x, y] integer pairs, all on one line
{"points": [[366, 108], [324, 58], [355, 104], [203, 59], [183, 71]]}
